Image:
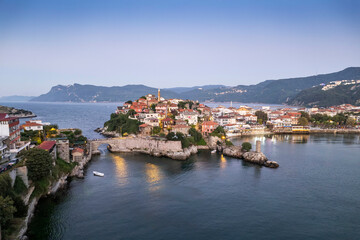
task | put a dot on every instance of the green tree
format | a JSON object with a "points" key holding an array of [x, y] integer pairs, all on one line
{"points": [[246, 146], [156, 130], [77, 132], [7, 210], [153, 107], [131, 112], [38, 162], [129, 102], [181, 105], [305, 115], [303, 121], [262, 117], [350, 121], [218, 132], [171, 136], [142, 97], [122, 124], [195, 134]]}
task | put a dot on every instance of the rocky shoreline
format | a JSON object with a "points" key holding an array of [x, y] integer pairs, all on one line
{"points": [[252, 157]]}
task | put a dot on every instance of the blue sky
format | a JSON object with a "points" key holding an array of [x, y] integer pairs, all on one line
{"points": [[172, 43]]}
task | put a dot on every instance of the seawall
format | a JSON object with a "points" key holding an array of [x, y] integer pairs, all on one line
{"points": [[147, 145]]}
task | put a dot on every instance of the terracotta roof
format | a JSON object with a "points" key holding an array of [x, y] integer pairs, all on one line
{"points": [[31, 124], [79, 150], [144, 125], [47, 145], [210, 123], [181, 126]]}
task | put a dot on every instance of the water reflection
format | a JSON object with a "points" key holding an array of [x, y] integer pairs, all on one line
{"points": [[121, 170], [223, 161], [153, 176]]}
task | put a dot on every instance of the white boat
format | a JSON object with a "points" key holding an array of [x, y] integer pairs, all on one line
{"points": [[99, 174], [213, 151]]}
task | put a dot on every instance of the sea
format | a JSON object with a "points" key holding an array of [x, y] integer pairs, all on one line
{"points": [[314, 194]]}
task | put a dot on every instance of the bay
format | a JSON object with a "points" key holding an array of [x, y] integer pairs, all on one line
{"points": [[314, 194]]}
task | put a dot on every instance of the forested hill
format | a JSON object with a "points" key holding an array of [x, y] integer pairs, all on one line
{"points": [[349, 94], [271, 91]]}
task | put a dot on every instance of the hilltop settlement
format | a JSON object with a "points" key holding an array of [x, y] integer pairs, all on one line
{"points": [[153, 115]]}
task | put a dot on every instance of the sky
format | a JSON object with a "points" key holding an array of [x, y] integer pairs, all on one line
{"points": [[172, 43]]}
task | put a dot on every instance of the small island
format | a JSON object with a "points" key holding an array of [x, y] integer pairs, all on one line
{"points": [[172, 128], [19, 113]]}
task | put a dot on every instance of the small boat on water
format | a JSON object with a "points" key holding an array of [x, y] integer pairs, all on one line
{"points": [[213, 151], [99, 174]]}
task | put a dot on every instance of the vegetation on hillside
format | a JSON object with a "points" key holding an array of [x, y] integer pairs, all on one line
{"points": [[121, 123]]}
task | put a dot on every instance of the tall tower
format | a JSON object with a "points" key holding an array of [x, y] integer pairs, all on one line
{"points": [[159, 94]]}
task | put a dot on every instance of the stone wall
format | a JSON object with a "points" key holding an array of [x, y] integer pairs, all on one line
{"points": [[63, 150], [138, 143], [154, 147]]}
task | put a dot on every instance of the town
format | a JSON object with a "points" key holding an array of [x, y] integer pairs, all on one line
{"points": [[159, 116]]}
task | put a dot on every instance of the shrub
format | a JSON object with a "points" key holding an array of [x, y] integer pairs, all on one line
{"points": [[19, 186], [171, 136], [21, 208], [229, 143], [201, 142], [7, 210], [246, 146], [218, 132]]}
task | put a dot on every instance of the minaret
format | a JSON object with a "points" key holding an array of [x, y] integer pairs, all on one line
{"points": [[159, 95]]}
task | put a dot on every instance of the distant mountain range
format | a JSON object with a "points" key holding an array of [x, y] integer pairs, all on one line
{"points": [[291, 91], [15, 98]]}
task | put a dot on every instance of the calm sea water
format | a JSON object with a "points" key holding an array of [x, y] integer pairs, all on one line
{"points": [[314, 194]]}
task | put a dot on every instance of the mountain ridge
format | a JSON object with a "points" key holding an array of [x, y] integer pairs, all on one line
{"points": [[269, 91]]}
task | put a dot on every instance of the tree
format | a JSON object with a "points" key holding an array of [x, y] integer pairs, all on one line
{"points": [[246, 146], [181, 105], [129, 102], [156, 130], [305, 115], [131, 112], [142, 97], [38, 162], [195, 134], [77, 132], [350, 121], [218, 132], [303, 121], [170, 136], [153, 107], [7, 210], [261, 116]]}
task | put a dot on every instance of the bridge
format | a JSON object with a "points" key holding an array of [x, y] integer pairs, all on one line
{"points": [[96, 143]]}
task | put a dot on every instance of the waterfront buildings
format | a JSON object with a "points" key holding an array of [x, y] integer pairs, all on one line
{"points": [[9, 127], [177, 115]]}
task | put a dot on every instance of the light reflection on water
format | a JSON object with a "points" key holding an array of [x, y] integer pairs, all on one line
{"points": [[121, 170]]}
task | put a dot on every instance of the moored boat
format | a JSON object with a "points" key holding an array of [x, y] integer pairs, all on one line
{"points": [[99, 174]]}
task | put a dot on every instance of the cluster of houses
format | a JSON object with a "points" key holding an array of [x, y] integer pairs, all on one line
{"points": [[11, 144], [177, 115]]}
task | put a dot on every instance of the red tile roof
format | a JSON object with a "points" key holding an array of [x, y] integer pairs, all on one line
{"points": [[47, 145], [79, 150], [210, 123]]}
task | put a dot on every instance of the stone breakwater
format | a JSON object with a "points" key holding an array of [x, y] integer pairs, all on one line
{"points": [[147, 145], [253, 157]]}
